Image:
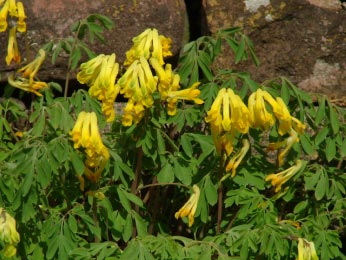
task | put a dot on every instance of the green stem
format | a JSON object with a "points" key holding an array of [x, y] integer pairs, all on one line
{"points": [[96, 222], [220, 195], [68, 73], [134, 186], [162, 184]]}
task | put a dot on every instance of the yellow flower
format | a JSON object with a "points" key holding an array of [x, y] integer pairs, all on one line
{"points": [[24, 84], [85, 134], [3, 16], [89, 70], [283, 116], [21, 17], [148, 44], [260, 117], [227, 116], [189, 208], [293, 138], [278, 179], [306, 250], [25, 78], [99, 74], [190, 93], [138, 85], [8, 233], [237, 158], [30, 70], [12, 7], [12, 48]]}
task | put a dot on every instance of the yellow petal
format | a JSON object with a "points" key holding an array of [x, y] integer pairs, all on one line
{"points": [[12, 48], [21, 17]]}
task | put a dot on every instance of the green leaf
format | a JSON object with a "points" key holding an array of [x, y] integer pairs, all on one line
{"points": [[72, 223], [127, 232], [300, 207], [77, 162], [321, 187], [140, 225], [29, 177], [330, 149], [210, 191], [75, 57], [52, 246], [123, 199], [182, 172], [166, 174], [44, 171], [186, 144], [334, 121], [321, 136], [240, 51], [285, 93], [321, 111], [343, 148], [306, 144]]}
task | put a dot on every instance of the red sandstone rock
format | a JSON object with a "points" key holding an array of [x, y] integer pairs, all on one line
{"points": [[52, 19]]}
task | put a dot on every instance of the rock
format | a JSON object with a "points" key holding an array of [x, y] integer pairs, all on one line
{"points": [[51, 19], [303, 40]]}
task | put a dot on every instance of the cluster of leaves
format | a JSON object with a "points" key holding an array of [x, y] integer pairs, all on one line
{"points": [[129, 214]]}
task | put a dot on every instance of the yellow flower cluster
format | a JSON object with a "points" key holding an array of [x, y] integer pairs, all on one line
{"points": [[229, 116], [149, 44], [99, 74], [306, 250], [15, 10], [263, 118], [138, 85], [8, 233], [139, 82], [189, 208], [85, 134], [25, 77]]}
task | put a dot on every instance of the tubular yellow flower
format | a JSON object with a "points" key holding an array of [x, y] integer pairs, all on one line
{"points": [[85, 134], [306, 250], [213, 115], [21, 17], [260, 117], [24, 84], [240, 115], [284, 117], [25, 78], [190, 93], [12, 48], [8, 233], [99, 74], [166, 46], [227, 116], [278, 179], [89, 70], [3, 16], [138, 80], [148, 44], [12, 8], [189, 208], [293, 138], [237, 158], [30, 70]]}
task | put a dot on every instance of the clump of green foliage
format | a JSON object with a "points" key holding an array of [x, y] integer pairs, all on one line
{"points": [[129, 212]]}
